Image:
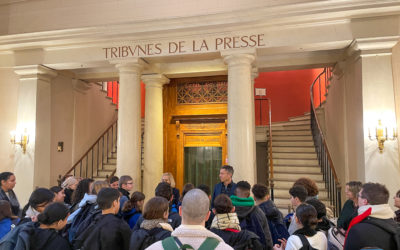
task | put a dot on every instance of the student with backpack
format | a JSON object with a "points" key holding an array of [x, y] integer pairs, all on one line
{"points": [[192, 234], [155, 226], [106, 231], [87, 208], [6, 218], [251, 217], [44, 234], [132, 209], [38, 201], [306, 237], [226, 225], [164, 190], [274, 216]]}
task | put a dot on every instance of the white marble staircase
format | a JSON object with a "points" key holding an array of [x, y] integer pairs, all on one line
{"points": [[294, 156]]}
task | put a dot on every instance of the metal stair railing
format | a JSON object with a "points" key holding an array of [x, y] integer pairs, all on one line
{"points": [[332, 184], [96, 156]]}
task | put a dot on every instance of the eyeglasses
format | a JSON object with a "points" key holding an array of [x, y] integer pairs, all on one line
{"points": [[129, 183]]}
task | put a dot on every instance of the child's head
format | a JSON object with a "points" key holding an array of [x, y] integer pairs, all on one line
{"points": [[108, 199], [306, 215], [54, 216]]}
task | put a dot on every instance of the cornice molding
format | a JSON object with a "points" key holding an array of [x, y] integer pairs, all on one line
{"points": [[309, 13], [372, 46]]}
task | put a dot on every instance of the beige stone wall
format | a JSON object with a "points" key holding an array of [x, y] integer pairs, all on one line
{"points": [[8, 121], [396, 84]]}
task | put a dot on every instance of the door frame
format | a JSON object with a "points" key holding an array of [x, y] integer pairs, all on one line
{"points": [[210, 134]]}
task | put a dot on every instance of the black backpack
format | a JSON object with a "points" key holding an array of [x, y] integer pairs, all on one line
{"points": [[251, 224], [150, 237], [84, 213], [393, 229]]}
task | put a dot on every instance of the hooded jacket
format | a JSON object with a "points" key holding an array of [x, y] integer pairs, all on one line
{"points": [[131, 217], [252, 218], [373, 227], [157, 228], [36, 238]]}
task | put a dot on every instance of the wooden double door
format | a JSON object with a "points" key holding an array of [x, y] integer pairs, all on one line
{"points": [[201, 151]]}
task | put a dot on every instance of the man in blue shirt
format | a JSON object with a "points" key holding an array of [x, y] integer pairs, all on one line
{"points": [[226, 186]]}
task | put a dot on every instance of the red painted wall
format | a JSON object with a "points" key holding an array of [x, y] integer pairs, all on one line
{"points": [[289, 92]]}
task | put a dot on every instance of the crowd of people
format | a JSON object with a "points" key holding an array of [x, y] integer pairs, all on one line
{"points": [[88, 214]]}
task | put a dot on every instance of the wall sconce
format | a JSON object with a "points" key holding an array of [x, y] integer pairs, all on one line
{"points": [[21, 139], [381, 134]]}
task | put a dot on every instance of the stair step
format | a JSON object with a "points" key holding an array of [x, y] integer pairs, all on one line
{"points": [[287, 184], [296, 169], [112, 160], [290, 127], [298, 162], [290, 132], [292, 138], [284, 202], [99, 178], [293, 177], [300, 118], [291, 123], [293, 143], [282, 149], [279, 155], [109, 166], [323, 194], [103, 173]]}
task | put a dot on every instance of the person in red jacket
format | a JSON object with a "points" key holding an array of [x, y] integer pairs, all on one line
{"points": [[374, 226]]}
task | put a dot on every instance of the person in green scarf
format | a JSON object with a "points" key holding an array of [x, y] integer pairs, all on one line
{"points": [[251, 217]]}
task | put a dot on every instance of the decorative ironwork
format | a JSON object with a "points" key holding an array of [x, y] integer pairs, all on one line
{"points": [[202, 92]]}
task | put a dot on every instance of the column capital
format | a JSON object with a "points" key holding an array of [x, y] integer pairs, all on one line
{"points": [[372, 46], [239, 57], [129, 65], [35, 72], [155, 80]]}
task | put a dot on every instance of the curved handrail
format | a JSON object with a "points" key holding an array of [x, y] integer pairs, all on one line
{"points": [[319, 126], [324, 157]]}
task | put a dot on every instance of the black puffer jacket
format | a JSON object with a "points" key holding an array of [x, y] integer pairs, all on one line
{"points": [[253, 219], [242, 240], [139, 237]]}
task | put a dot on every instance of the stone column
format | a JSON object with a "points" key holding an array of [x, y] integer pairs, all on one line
{"points": [[129, 121], [32, 169], [241, 130], [153, 133]]}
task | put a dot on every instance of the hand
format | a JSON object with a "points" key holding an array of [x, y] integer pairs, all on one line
{"points": [[283, 243]]}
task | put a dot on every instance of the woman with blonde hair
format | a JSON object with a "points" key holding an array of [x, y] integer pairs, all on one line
{"points": [[169, 178], [69, 185]]}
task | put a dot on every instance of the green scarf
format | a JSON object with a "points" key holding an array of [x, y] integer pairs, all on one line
{"points": [[242, 202]]}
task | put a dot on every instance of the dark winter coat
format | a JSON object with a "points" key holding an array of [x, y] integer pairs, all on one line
{"points": [[349, 211], [37, 238], [275, 221], [220, 188], [105, 232], [373, 232], [253, 219], [12, 200], [124, 193], [139, 236], [174, 219], [176, 194], [131, 217], [239, 240]]}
